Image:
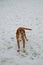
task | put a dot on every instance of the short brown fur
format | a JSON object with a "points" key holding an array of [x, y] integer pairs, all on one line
{"points": [[21, 36]]}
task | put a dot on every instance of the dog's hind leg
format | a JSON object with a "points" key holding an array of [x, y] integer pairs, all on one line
{"points": [[26, 38]]}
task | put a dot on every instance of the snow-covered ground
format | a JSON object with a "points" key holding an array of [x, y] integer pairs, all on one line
{"points": [[16, 13]]}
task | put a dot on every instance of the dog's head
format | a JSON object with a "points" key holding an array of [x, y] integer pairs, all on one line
{"points": [[21, 32]]}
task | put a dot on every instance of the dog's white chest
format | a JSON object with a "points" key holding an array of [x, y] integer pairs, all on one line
{"points": [[20, 37]]}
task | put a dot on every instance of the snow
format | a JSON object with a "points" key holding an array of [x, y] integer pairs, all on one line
{"points": [[18, 13]]}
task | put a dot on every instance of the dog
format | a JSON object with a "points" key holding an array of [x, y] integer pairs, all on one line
{"points": [[21, 36]]}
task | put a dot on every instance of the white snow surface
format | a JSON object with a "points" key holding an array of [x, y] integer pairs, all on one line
{"points": [[21, 13]]}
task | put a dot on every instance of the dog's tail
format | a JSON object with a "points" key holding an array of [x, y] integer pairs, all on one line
{"points": [[27, 28]]}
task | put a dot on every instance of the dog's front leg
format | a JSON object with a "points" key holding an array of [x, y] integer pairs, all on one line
{"points": [[18, 44], [23, 45]]}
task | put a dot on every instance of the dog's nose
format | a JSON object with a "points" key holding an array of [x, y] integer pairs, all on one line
{"points": [[22, 33]]}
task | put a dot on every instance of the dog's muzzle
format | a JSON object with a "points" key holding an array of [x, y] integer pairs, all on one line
{"points": [[22, 33]]}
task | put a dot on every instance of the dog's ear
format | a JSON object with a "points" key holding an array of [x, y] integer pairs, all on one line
{"points": [[17, 32]]}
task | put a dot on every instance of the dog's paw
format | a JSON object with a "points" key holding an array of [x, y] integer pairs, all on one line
{"points": [[18, 50]]}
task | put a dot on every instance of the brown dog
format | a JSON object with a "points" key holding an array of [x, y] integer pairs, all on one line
{"points": [[21, 36]]}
